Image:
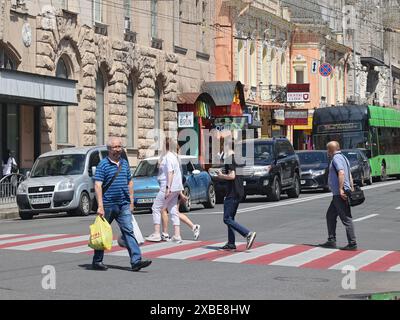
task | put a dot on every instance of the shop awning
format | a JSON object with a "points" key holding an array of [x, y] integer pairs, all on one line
{"points": [[37, 90], [223, 92]]}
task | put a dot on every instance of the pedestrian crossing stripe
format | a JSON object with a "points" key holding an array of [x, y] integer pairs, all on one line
{"points": [[271, 254]]}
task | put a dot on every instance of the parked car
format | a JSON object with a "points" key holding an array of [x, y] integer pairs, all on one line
{"points": [[197, 183], [360, 167], [274, 169], [314, 165], [61, 181]]}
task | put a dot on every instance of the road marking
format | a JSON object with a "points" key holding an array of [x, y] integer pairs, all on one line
{"points": [[398, 208], [295, 201], [193, 252], [48, 243], [304, 257], [384, 263], [395, 268], [361, 260], [255, 253], [275, 256], [11, 235], [331, 259], [28, 238], [366, 217]]}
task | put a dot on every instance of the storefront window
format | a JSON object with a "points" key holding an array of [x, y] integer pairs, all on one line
{"points": [[5, 60]]}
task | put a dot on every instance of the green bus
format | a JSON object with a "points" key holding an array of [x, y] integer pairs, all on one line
{"points": [[375, 129]]}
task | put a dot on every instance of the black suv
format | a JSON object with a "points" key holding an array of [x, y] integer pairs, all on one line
{"points": [[271, 169]]}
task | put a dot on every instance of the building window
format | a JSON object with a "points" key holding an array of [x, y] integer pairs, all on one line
{"points": [[6, 62], [100, 109], [62, 112], [273, 70], [299, 76], [98, 10], [131, 104], [283, 70], [154, 13], [253, 65], [157, 108]]}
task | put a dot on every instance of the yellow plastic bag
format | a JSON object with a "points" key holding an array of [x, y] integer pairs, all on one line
{"points": [[101, 236]]}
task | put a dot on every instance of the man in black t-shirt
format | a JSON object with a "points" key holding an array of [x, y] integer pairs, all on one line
{"points": [[234, 193]]}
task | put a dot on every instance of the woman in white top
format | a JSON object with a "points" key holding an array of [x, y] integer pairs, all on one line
{"points": [[170, 180], [8, 166]]}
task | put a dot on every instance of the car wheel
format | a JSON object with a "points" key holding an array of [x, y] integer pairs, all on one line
{"points": [[26, 215], [275, 193], [185, 207], [211, 197], [84, 205], [295, 191]]}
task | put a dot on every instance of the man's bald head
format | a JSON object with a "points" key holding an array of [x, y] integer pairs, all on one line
{"points": [[114, 146], [332, 147]]}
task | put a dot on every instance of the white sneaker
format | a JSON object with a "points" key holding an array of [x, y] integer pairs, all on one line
{"points": [[176, 239], [196, 231], [165, 237], [154, 237]]}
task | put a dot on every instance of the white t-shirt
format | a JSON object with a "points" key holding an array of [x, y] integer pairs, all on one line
{"points": [[8, 165], [169, 163]]}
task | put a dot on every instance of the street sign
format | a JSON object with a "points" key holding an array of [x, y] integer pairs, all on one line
{"points": [[314, 66], [325, 69], [298, 92], [185, 119]]}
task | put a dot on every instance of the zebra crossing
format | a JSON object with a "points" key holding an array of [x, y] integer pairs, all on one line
{"points": [[265, 254]]}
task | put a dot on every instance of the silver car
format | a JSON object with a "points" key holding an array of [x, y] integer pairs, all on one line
{"points": [[61, 181]]}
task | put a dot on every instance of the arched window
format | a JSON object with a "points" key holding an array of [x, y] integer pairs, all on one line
{"points": [[6, 61], [131, 115], [100, 109], [62, 112]]}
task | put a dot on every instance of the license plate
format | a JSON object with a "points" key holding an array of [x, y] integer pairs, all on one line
{"points": [[40, 200], [145, 200], [303, 181], [244, 183]]}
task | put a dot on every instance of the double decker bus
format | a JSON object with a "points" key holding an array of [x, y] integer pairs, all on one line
{"points": [[375, 129]]}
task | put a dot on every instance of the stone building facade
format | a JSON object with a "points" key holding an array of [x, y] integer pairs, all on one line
{"points": [[128, 54]]}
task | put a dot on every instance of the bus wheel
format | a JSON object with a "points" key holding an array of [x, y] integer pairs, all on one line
{"points": [[383, 172]]}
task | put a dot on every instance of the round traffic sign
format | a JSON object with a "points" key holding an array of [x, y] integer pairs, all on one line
{"points": [[325, 69]]}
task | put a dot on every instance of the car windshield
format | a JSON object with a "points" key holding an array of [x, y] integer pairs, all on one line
{"points": [[146, 169], [352, 156], [61, 165], [260, 152], [316, 158]]}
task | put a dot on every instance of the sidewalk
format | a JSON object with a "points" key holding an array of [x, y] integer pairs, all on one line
{"points": [[9, 211]]}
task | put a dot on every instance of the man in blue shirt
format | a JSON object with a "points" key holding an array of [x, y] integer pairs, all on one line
{"points": [[116, 202], [340, 182]]}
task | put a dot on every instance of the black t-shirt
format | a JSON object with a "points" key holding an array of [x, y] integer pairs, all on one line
{"points": [[234, 188]]}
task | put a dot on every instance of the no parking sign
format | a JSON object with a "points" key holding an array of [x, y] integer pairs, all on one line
{"points": [[325, 69]]}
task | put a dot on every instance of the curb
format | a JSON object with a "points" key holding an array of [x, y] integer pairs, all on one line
{"points": [[10, 212]]}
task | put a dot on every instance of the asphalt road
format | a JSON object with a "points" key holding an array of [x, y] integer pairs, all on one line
{"points": [[289, 222]]}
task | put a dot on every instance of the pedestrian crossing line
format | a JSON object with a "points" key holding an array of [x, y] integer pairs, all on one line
{"points": [[181, 255], [30, 239], [271, 257], [271, 254], [48, 243], [331, 259], [384, 263], [216, 253], [253, 253], [181, 247], [11, 236], [361, 260]]}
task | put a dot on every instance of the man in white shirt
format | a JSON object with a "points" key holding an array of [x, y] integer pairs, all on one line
{"points": [[7, 168]]}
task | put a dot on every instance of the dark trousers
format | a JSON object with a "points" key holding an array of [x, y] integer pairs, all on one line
{"points": [[340, 208], [230, 208]]}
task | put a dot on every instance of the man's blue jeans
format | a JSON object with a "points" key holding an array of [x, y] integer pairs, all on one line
{"points": [[230, 207], [123, 216]]}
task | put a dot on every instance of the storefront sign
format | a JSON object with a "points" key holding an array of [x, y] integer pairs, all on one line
{"points": [[296, 117], [185, 120], [230, 123], [298, 92]]}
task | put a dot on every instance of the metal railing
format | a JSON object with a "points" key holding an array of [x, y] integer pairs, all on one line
{"points": [[8, 187]]}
